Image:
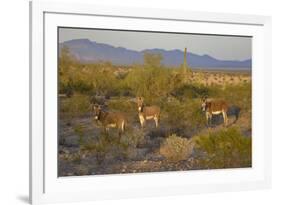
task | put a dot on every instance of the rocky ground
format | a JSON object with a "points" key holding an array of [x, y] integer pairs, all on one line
{"points": [[130, 155]]}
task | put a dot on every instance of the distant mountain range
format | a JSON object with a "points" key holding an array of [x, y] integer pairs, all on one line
{"points": [[90, 51]]}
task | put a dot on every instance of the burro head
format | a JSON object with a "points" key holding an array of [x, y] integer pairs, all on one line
{"points": [[96, 109], [140, 103], [203, 103]]}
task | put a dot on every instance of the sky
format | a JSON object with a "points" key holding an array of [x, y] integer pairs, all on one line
{"points": [[220, 47]]}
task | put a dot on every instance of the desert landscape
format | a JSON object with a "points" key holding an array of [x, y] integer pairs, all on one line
{"points": [[183, 139]]}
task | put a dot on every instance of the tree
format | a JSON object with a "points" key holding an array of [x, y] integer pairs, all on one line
{"points": [[66, 61], [152, 59], [66, 58]]}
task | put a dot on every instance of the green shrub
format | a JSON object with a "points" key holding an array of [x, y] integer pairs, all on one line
{"points": [[97, 148], [191, 91], [185, 115], [74, 106], [122, 104], [150, 82], [176, 148], [197, 119], [133, 138], [111, 147], [152, 59], [239, 95], [227, 148]]}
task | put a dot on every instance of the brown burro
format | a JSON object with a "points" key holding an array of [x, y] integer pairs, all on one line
{"points": [[214, 107], [110, 119], [147, 112]]}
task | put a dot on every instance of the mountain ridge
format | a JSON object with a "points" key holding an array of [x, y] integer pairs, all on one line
{"points": [[88, 51]]}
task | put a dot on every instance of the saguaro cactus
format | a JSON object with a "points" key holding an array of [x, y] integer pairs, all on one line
{"points": [[186, 70], [184, 61]]}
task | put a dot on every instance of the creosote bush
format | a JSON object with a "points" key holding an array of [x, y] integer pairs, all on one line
{"points": [[74, 106], [184, 116], [226, 148], [176, 148], [122, 104], [132, 138], [109, 145], [97, 148]]}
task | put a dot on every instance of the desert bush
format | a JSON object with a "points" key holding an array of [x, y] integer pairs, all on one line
{"points": [[226, 148], [240, 95], [74, 106], [184, 116], [176, 148], [196, 116], [191, 91], [133, 137], [109, 145], [151, 82], [122, 104], [97, 148], [152, 60], [82, 86], [85, 79], [66, 87], [66, 61], [105, 82]]}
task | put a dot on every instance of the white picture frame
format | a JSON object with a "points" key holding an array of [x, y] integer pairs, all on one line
{"points": [[46, 186]]}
